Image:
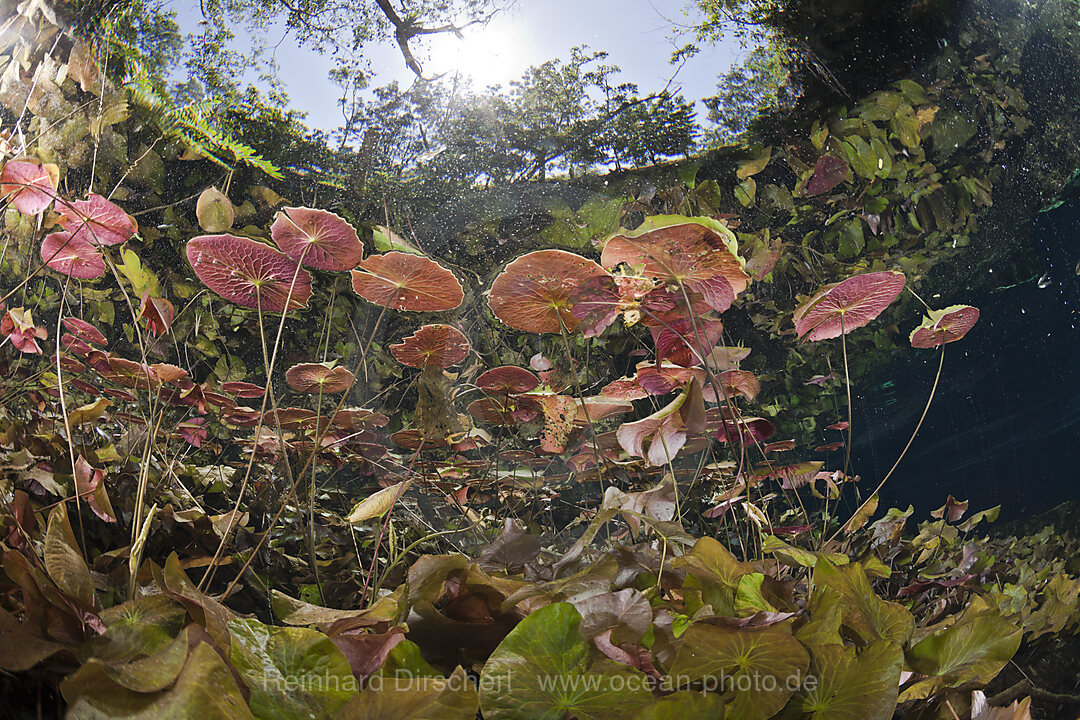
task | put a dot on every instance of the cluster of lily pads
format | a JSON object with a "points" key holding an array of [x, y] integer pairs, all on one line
{"points": [[662, 626]]}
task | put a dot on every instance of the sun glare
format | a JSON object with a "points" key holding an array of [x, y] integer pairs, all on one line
{"points": [[492, 55]]}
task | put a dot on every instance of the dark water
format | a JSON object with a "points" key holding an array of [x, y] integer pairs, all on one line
{"points": [[1004, 426]]}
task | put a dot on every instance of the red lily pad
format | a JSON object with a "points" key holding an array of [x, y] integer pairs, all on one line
{"points": [[599, 300], [829, 172], [507, 380], [289, 418], [699, 254], [753, 430], [533, 292], [359, 418], [844, 306], [686, 342], [243, 389], [598, 407], [829, 447], [97, 220], [779, 446], [432, 346], [84, 331], [30, 186], [662, 378], [944, 326], [248, 273], [402, 281], [18, 326], [323, 239], [736, 382], [318, 377], [72, 255], [624, 389]]}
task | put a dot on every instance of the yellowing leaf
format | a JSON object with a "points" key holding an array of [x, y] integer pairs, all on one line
{"points": [[377, 504], [143, 281], [88, 413], [754, 165], [214, 211]]}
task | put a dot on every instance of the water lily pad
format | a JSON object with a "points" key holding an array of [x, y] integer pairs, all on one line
{"points": [[291, 671], [29, 186], [71, 255], [97, 220], [533, 293], [432, 346], [248, 273], [324, 240], [845, 306], [318, 377], [944, 326], [402, 281], [769, 656], [544, 670], [851, 685], [700, 254], [668, 427]]}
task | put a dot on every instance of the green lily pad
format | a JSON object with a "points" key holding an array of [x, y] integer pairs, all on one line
{"points": [[205, 689], [844, 684], [683, 704], [544, 670], [864, 612], [415, 698], [750, 667], [291, 672], [974, 649]]}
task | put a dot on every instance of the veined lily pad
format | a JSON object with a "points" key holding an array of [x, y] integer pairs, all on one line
{"points": [[72, 255], [844, 306], [401, 281], [432, 346], [248, 273], [944, 326], [324, 240], [533, 292], [544, 670]]}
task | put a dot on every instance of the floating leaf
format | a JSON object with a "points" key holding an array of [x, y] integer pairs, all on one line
{"points": [[432, 346], [944, 326], [205, 689], [214, 211], [668, 427], [412, 697], [507, 380], [533, 292], [323, 239], [291, 671], [248, 273], [698, 253], [401, 281], [973, 649], [29, 186], [767, 657], [845, 306], [544, 670], [851, 685], [71, 255], [84, 331], [318, 377], [97, 220]]}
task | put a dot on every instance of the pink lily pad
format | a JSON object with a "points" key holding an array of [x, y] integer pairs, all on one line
{"points": [[944, 326], [248, 273], [97, 220], [30, 186], [700, 254], [668, 428], [72, 255], [84, 331], [318, 377], [432, 346], [324, 240], [844, 306]]}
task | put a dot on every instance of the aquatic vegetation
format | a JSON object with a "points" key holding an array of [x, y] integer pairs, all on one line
{"points": [[591, 509]]}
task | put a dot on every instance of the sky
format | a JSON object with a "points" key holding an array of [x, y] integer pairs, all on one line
{"points": [[636, 33]]}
